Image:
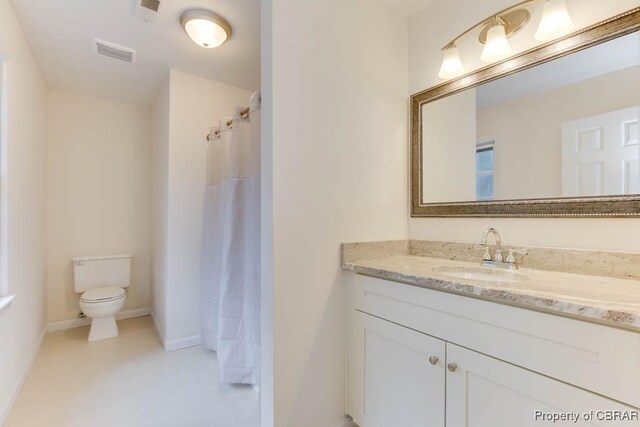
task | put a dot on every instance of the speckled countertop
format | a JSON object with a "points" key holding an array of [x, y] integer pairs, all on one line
{"points": [[611, 301]]}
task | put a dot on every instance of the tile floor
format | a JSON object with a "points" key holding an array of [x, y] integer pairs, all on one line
{"points": [[128, 382]]}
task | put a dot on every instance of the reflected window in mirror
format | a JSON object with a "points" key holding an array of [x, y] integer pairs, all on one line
{"points": [[485, 166]]}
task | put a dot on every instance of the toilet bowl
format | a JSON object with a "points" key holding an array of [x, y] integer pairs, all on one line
{"points": [[101, 305], [102, 281]]}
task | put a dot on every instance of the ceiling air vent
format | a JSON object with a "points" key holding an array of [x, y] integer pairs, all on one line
{"points": [[153, 5], [115, 51], [148, 9]]}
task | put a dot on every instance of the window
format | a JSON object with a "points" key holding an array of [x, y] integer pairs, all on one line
{"points": [[485, 165]]}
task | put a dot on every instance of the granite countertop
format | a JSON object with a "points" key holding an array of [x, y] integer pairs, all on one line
{"points": [[606, 300]]}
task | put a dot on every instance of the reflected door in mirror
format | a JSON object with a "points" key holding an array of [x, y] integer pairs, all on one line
{"points": [[600, 154]]}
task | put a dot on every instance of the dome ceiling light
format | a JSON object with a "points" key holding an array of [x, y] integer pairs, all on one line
{"points": [[205, 28]]}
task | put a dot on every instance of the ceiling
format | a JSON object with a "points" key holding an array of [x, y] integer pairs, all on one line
{"points": [[61, 34], [407, 8], [614, 55]]}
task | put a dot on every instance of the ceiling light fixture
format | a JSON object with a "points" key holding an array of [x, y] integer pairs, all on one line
{"points": [[205, 28], [498, 28]]}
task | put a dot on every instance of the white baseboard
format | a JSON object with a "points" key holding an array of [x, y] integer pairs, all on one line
{"points": [[347, 422], [14, 395], [176, 344], [84, 321], [180, 343], [158, 330]]}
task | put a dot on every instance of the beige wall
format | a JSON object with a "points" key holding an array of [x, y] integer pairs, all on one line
{"points": [[449, 150], [98, 197], [159, 206], [22, 215], [428, 32], [528, 130], [335, 166]]}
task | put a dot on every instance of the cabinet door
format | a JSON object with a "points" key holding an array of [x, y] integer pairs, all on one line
{"points": [[397, 375], [486, 392]]}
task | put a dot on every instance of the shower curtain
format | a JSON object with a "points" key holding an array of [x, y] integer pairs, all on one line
{"points": [[230, 276]]}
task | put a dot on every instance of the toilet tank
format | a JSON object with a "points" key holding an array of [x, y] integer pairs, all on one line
{"points": [[95, 271]]}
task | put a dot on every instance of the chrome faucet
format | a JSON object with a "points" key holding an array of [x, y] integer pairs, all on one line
{"points": [[498, 261], [483, 242]]}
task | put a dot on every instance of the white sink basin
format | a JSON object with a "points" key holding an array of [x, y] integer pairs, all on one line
{"points": [[480, 274]]}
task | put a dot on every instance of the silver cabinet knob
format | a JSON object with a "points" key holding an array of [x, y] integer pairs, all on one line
{"points": [[452, 367], [433, 360]]}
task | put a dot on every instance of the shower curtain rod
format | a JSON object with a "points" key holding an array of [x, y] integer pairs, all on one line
{"points": [[244, 113]]}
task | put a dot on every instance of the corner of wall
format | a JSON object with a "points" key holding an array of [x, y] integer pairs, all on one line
{"points": [[4, 411], [160, 129], [159, 330]]}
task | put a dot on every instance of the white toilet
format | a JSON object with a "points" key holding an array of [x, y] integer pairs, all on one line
{"points": [[102, 281]]}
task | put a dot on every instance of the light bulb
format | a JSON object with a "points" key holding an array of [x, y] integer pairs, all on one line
{"points": [[206, 33], [496, 47], [556, 21], [451, 64]]}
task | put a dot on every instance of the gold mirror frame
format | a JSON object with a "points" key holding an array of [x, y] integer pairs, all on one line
{"points": [[588, 207]]}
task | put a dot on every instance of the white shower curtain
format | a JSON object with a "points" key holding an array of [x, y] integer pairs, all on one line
{"points": [[231, 250]]}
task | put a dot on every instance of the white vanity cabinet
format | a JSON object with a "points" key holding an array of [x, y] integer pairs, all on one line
{"points": [[398, 375], [483, 391], [419, 357]]}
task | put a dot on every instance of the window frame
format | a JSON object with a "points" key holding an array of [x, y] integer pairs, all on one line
{"points": [[485, 144]]}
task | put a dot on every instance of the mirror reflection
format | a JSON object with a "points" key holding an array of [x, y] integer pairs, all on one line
{"points": [[566, 128]]}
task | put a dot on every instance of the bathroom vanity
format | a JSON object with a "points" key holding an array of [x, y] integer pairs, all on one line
{"points": [[439, 342], [450, 334]]}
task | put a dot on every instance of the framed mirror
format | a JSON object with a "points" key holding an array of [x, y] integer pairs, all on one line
{"points": [[551, 132]]}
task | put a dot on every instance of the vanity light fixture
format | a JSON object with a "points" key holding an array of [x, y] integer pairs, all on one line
{"points": [[498, 28], [206, 29], [496, 46], [451, 65], [556, 21]]}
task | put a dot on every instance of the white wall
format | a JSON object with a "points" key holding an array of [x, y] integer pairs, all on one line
{"points": [[23, 206], [428, 32], [98, 194], [336, 86], [195, 104], [267, 397], [159, 206]]}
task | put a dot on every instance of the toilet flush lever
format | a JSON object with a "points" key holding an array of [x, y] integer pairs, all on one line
{"points": [[79, 263]]}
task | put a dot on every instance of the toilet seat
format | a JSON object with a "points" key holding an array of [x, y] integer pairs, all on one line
{"points": [[103, 294]]}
